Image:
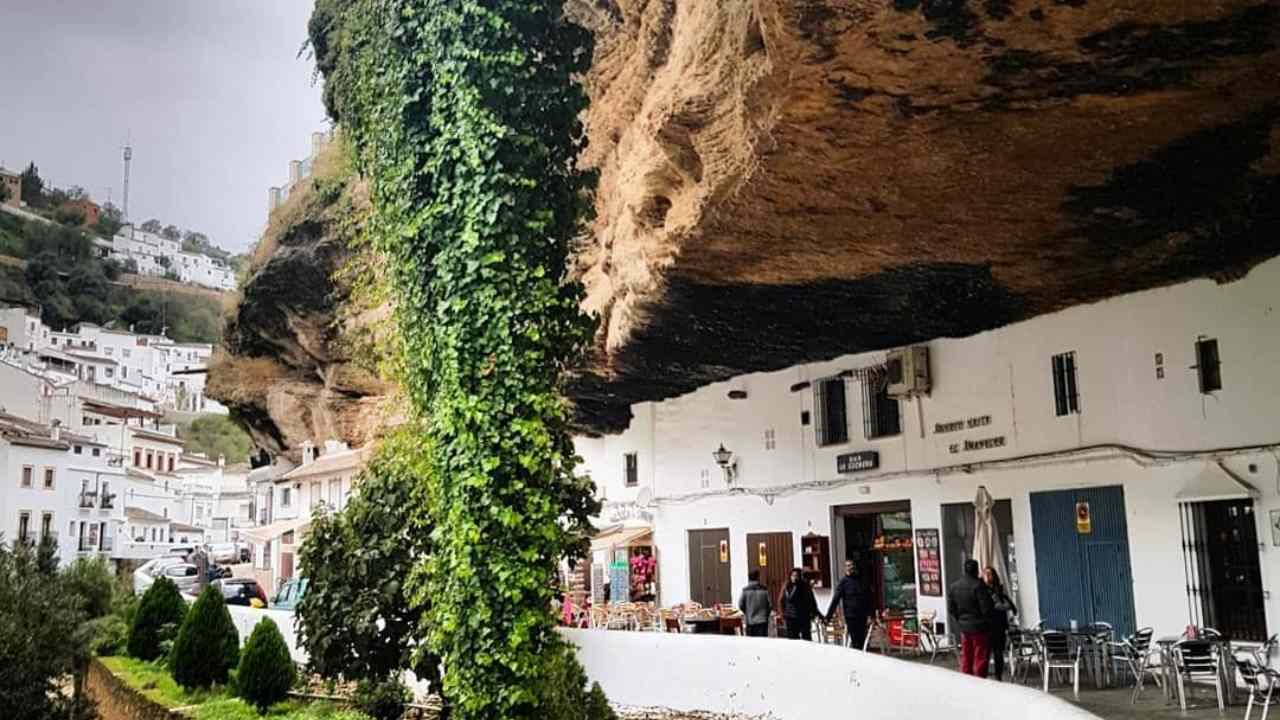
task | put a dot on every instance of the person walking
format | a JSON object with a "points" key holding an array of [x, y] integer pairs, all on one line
{"points": [[756, 606], [1002, 606], [799, 606], [854, 597], [969, 602]]}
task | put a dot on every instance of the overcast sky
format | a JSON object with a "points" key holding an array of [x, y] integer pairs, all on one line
{"points": [[211, 94]]}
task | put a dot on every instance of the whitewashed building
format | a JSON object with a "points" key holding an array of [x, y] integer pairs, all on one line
{"points": [[55, 484], [1132, 447], [324, 481]]}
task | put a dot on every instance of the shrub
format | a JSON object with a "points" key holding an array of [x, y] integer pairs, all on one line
{"points": [[93, 581], [266, 671], [208, 645], [157, 620], [565, 693], [381, 699]]}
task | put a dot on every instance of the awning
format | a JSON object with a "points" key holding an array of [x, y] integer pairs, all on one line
{"points": [[621, 537], [270, 532], [1216, 482]]}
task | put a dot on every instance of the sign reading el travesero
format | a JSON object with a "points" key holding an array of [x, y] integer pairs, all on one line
{"points": [[858, 461]]}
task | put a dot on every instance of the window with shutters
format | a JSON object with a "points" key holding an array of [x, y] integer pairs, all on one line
{"points": [[1208, 367], [1066, 399], [631, 469], [880, 412], [831, 419]]}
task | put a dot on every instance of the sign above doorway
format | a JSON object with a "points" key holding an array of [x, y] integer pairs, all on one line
{"points": [[858, 461]]}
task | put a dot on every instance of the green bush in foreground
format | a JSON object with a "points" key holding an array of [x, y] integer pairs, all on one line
{"points": [[266, 671], [382, 699], [208, 645], [157, 620]]}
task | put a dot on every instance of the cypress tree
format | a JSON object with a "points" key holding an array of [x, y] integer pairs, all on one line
{"points": [[208, 645], [266, 669], [160, 613]]}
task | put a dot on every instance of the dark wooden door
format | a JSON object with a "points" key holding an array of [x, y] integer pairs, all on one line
{"points": [[774, 549], [709, 567], [286, 566]]}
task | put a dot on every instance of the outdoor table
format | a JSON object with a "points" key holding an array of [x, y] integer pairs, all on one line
{"points": [[704, 626], [1092, 653], [1166, 664]]}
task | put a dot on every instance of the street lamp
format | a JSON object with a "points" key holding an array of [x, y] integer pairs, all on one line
{"points": [[724, 458]]}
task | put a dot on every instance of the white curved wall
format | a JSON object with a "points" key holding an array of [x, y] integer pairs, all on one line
{"points": [[794, 680]]}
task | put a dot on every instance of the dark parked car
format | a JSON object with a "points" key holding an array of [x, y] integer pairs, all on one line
{"points": [[239, 591]]}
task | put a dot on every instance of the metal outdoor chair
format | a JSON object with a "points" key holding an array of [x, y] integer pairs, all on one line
{"points": [[1024, 651], [1198, 661], [1057, 653], [933, 642], [1134, 652], [1261, 682]]}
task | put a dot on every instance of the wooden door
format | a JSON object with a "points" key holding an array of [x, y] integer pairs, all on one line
{"points": [[286, 566], [771, 554], [709, 579]]}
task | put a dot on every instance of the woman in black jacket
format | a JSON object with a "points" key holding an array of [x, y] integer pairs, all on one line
{"points": [[999, 623], [799, 606]]}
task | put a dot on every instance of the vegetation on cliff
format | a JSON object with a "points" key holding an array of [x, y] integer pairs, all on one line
{"points": [[464, 117]]}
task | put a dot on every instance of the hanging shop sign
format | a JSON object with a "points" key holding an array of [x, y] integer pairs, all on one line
{"points": [[724, 551], [929, 562], [1084, 521], [858, 461]]}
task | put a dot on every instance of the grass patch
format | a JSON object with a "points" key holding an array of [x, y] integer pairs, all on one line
{"points": [[237, 709], [154, 681]]}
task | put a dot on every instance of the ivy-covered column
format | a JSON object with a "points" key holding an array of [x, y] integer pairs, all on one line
{"points": [[464, 114]]}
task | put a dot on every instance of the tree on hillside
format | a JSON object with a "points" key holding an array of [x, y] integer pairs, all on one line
{"points": [[216, 435], [32, 186], [110, 220], [152, 226], [171, 232], [75, 192]]}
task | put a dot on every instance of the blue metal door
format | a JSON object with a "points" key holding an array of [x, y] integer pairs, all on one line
{"points": [[1082, 569]]}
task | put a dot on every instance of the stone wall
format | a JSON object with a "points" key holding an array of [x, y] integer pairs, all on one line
{"points": [[117, 701]]}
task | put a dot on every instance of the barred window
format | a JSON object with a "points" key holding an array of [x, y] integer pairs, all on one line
{"points": [[1066, 399], [831, 425], [880, 413], [1208, 366], [631, 469]]}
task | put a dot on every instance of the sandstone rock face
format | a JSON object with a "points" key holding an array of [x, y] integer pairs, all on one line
{"points": [[288, 372], [790, 180]]}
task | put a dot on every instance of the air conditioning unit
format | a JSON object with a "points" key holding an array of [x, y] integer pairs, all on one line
{"points": [[908, 371]]}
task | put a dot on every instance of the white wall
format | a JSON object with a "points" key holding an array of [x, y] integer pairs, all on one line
{"points": [[791, 680], [1004, 374]]}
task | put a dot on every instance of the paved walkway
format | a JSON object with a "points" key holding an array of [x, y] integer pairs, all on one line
{"points": [[1113, 704]]}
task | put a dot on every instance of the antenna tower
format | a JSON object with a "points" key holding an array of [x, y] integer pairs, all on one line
{"points": [[128, 157]]}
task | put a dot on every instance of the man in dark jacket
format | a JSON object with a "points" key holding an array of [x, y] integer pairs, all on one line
{"points": [[969, 603], [756, 606], [854, 597]]}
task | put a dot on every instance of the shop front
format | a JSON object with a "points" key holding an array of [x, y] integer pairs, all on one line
{"points": [[877, 537], [624, 566]]}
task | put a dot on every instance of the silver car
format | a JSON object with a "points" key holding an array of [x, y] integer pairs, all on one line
{"points": [[145, 575], [182, 574], [225, 553]]}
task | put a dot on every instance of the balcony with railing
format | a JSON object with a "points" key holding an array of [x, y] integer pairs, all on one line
{"points": [[108, 501], [88, 499]]}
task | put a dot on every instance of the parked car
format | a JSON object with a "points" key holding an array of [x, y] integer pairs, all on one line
{"points": [[183, 575], [240, 591], [224, 553], [145, 575], [289, 594]]}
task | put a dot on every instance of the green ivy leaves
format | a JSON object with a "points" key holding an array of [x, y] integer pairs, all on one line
{"points": [[464, 116]]}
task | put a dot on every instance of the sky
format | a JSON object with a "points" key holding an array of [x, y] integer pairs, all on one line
{"points": [[210, 93]]}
